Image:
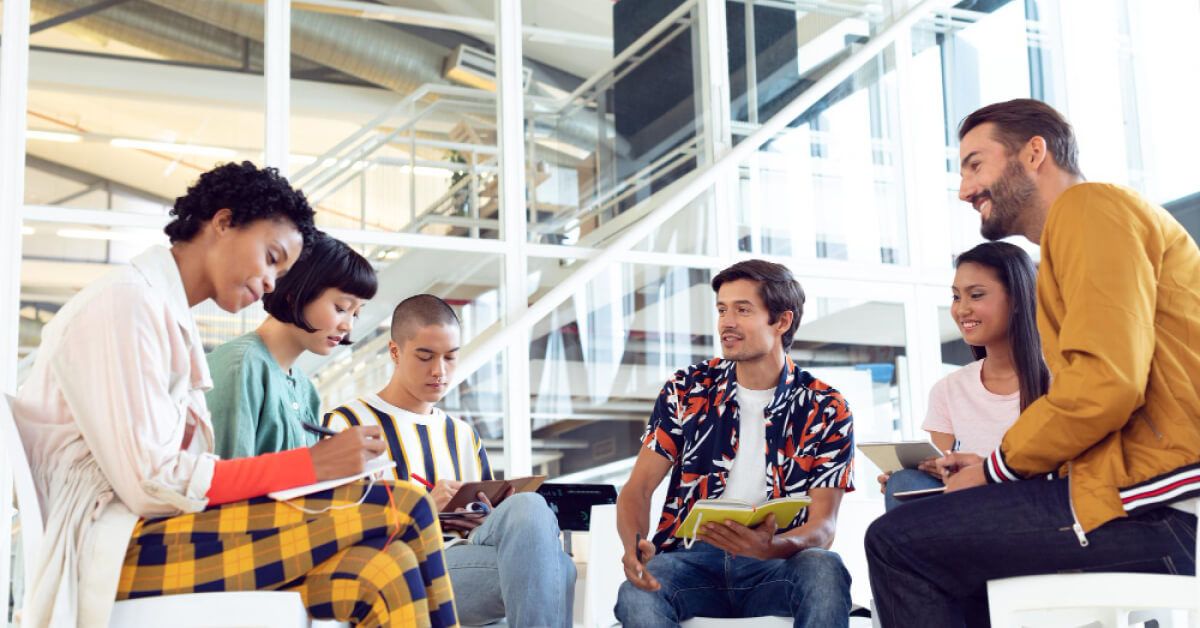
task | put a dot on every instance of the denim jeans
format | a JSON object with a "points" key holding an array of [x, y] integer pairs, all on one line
{"points": [[812, 587], [930, 560], [514, 567], [907, 480]]}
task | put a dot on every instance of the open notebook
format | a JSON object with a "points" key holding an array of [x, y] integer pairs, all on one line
{"points": [[494, 489], [372, 467], [721, 510]]}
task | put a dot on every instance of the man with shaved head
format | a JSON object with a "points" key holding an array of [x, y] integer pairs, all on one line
{"points": [[512, 564]]}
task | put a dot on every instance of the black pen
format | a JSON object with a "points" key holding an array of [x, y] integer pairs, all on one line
{"points": [[948, 471], [637, 545], [319, 430]]}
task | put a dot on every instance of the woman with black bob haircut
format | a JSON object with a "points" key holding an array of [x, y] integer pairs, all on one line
{"points": [[260, 401], [115, 422]]}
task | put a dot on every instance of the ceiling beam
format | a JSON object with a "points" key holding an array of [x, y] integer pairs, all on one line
{"points": [[71, 16], [82, 177]]}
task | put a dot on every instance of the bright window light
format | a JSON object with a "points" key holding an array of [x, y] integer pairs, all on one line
{"points": [[53, 136], [171, 147], [107, 234]]}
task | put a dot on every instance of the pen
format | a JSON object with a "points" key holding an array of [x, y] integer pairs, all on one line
{"points": [[948, 471], [319, 430], [637, 545], [421, 480]]}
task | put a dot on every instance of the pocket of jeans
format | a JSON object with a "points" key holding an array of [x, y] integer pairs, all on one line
{"points": [[1183, 528]]}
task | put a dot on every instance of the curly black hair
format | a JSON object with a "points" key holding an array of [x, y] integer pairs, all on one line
{"points": [[246, 190]]}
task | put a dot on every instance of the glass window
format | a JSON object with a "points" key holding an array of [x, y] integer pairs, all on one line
{"points": [[392, 128], [613, 127], [598, 361], [127, 105], [829, 188]]}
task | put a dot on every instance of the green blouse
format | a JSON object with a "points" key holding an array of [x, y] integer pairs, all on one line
{"points": [[257, 407]]}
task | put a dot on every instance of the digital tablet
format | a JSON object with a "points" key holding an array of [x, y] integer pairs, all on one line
{"points": [[925, 492], [891, 457]]}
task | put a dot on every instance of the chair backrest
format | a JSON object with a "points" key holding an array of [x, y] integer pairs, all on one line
{"points": [[857, 512], [604, 570], [605, 573], [15, 473]]}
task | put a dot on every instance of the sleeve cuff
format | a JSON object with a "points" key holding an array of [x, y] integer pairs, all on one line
{"points": [[996, 470], [243, 478]]}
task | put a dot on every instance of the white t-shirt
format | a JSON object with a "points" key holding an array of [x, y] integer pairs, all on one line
{"points": [[978, 418], [747, 475]]}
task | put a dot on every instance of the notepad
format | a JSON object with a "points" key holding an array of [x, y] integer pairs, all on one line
{"points": [[372, 467], [721, 510], [493, 489]]}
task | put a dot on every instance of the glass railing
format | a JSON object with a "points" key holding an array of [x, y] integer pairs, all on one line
{"points": [[622, 135]]}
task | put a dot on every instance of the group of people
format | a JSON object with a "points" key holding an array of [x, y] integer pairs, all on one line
{"points": [[1077, 430], [153, 460], [1072, 442]]}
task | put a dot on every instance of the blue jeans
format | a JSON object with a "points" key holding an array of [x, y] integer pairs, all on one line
{"points": [[812, 587], [930, 560], [514, 567], [907, 480]]}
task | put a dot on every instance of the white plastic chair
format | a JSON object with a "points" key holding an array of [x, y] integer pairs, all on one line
{"points": [[855, 515], [1114, 600], [243, 609]]}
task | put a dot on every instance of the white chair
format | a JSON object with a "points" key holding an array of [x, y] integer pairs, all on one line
{"points": [[605, 574], [857, 512], [1114, 600], [242, 609]]}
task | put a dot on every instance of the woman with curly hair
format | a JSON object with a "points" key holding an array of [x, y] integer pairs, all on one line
{"points": [[260, 401], [115, 423]]}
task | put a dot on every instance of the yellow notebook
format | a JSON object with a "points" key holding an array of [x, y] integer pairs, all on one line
{"points": [[721, 510]]}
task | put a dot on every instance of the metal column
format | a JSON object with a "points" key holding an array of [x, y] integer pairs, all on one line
{"points": [[510, 118], [711, 52], [277, 53], [14, 67]]}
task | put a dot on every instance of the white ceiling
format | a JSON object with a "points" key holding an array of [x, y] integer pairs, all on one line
{"points": [[586, 17]]}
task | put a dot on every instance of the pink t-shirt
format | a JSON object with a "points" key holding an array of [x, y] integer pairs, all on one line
{"points": [[978, 418]]}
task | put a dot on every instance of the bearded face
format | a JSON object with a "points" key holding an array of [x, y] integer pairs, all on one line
{"points": [[1001, 204]]}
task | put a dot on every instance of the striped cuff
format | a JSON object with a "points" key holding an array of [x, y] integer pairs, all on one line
{"points": [[996, 470]]}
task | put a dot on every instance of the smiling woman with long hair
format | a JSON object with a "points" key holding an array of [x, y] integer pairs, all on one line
{"points": [[995, 308]]}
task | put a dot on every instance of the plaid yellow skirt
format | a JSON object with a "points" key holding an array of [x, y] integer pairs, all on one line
{"points": [[378, 563]]}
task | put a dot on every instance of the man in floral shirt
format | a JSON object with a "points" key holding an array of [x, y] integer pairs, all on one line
{"points": [[796, 436]]}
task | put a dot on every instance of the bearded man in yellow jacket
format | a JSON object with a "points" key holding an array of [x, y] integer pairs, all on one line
{"points": [[1101, 473]]}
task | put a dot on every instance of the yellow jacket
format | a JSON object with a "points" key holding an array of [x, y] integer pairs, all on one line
{"points": [[1119, 314]]}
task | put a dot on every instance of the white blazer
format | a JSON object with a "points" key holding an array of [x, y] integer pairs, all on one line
{"points": [[114, 422]]}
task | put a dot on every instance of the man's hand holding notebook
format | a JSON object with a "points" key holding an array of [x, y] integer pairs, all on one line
{"points": [[464, 505], [495, 491]]}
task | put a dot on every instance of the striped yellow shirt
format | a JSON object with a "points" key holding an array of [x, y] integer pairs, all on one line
{"points": [[434, 446]]}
